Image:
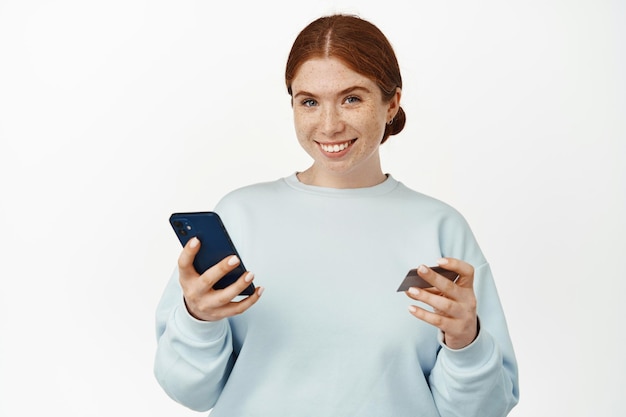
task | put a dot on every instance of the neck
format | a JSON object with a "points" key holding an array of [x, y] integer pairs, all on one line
{"points": [[312, 177]]}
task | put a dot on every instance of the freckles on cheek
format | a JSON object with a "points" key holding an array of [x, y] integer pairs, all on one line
{"points": [[301, 129], [300, 135]]}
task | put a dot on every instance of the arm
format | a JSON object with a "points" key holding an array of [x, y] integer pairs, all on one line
{"points": [[194, 352], [193, 358], [475, 373]]}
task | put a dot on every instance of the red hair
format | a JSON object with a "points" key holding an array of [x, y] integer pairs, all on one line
{"points": [[359, 45]]}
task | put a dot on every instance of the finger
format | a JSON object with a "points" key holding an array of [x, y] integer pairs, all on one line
{"points": [[230, 308], [226, 295], [185, 260], [219, 270], [441, 283], [464, 269], [457, 333], [441, 305], [429, 317], [237, 307], [432, 290]]}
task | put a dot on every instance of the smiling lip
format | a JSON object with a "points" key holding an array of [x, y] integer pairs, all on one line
{"points": [[336, 149]]}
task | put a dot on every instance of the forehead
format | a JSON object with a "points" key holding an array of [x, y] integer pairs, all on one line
{"points": [[327, 75]]}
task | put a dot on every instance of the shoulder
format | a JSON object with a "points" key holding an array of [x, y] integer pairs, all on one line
{"points": [[251, 201], [252, 193], [455, 235], [425, 204]]}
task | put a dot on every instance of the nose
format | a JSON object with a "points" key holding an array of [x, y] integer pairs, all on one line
{"points": [[331, 121]]}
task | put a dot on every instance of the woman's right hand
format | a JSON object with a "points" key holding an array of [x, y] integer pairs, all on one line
{"points": [[202, 301]]}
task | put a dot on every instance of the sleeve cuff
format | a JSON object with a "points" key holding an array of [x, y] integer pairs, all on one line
{"points": [[198, 330], [473, 355]]}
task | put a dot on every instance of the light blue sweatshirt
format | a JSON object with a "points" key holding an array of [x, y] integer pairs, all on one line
{"points": [[331, 336]]}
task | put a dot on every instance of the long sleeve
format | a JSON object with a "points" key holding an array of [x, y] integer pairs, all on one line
{"points": [[481, 379], [331, 336], [193, 358]]}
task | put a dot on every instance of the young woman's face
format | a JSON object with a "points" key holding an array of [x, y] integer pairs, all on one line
{"points": [[340, 118]]}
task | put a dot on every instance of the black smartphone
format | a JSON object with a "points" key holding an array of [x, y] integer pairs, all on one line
{"points": [[412, 279], [215, 244]]}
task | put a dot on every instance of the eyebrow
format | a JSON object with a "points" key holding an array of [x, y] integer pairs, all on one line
{"points": [[341, 93]]}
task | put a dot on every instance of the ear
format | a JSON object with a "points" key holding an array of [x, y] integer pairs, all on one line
{"points": [[394, 104]]}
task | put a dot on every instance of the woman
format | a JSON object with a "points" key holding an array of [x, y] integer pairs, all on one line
{"points": [[330, 336]]}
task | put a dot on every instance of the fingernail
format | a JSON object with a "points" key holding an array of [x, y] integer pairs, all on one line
{"points": [[412, 309], [249, 277], [233, 260], [422, 269], [442, 261], [194, 242], [414, 291], [261, 289]]}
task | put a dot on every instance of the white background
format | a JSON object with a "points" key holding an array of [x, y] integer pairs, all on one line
{"points": [[115, 114]]}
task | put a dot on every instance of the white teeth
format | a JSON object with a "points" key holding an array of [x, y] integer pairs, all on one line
{"points": [[336, 147]]}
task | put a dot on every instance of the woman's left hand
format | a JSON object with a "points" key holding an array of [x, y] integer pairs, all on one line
{"points": [[454, 303]]}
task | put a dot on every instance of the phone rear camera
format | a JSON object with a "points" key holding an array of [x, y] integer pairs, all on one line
{"points": [[177, 224], [183, 232]]}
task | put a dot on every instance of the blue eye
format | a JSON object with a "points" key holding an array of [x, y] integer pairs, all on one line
{"points": [[352, 99], [309, 102]]}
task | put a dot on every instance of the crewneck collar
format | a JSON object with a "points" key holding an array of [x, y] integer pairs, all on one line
{"points": [[383, 188]]}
